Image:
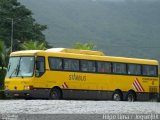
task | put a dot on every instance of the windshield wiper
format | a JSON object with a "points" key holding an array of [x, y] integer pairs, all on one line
{"points": [[19, 72], [14, 71], [8, 67]]}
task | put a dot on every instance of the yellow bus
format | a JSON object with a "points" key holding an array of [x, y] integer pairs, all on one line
{"points": [[61, 73]]}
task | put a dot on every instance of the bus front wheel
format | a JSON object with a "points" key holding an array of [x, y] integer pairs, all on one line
{"points": [[117, 96], [55, 94]]}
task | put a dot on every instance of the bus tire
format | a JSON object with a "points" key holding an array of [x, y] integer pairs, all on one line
{"points": [[117, 96], [55, 94], [131, 96]]}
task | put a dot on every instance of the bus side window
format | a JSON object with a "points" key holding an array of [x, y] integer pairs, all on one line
{"points": [[88, 66], [119, 68], [134, 69], [55, 63], [40, 66], [153, 71], [84, 67], [104, 67], [149, 70], [75, 65], [71, 64]]}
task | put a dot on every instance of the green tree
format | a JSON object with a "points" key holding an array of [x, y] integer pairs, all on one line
{"points": [[3, 54], [33, 45], [17, 23], [85, 46]]}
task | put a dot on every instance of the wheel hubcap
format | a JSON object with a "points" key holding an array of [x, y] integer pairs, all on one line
{"points": [[130, 98], [116, 97], [53, 95]]}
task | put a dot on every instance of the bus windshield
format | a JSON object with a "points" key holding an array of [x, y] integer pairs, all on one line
{"points": [[20, 67]]}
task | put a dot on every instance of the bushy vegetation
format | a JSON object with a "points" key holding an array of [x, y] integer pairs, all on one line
{"points": [[33, 45], [85, 46], [2, 96], [2, 76]]}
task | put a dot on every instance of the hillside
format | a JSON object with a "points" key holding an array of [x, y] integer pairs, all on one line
{"points": [[123, 28]]}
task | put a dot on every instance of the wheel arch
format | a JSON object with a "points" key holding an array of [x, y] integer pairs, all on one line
{"points": [[119, 90], [57, 88]]}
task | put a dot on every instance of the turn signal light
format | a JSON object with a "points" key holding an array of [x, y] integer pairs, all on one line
{"points": [[6, 87], [28, 87], [31, 87]]}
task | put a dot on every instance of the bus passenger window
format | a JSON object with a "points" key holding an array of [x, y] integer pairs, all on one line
{"points": [[55, 63], [119, 68], [88, 66], [134, 69], [71, 64], [75, 65], [104, 67], [149, 70], [84, 67]]}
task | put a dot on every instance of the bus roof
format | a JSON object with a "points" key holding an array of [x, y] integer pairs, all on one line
{"points": [[83, 54], [24, 52], [76, 51], [61, 50]]}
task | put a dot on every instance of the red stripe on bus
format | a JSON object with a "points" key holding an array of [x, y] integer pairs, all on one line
{"points": [[140, 84], [135, 86], [65, 85]]}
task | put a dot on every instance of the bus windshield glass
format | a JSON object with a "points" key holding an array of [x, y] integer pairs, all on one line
{"points": [[20, 67]]}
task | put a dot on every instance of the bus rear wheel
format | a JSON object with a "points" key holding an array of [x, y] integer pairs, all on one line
{"points": [[55, 94], [131, 97], [117, 96]]}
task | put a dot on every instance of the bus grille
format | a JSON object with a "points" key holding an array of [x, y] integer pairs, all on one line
{"points": [[153, 89]]}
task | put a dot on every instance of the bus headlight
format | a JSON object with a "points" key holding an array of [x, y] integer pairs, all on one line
{"points": [[6, 87]]}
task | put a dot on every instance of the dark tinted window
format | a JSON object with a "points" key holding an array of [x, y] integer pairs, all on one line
{"points": [[119, 68], [71, 64], [40, 66], [55, 63], [104, 67], [88, 66], [134, 69], [149, 70]]}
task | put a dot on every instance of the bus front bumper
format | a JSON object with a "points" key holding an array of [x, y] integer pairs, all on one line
{"points": [[35, 93]]}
